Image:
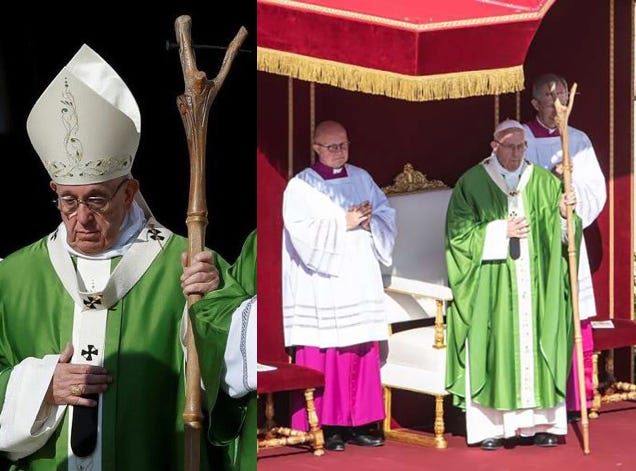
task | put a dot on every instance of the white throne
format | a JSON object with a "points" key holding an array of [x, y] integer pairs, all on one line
{"points": [[415, 289]]}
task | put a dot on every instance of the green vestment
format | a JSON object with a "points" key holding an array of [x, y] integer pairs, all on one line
{"points": [[142, 426], [484, 311], [240, 285]]}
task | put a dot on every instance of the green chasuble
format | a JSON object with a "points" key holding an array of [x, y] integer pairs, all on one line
{"points": [[230, 418], [142, 409], [485, 309]]}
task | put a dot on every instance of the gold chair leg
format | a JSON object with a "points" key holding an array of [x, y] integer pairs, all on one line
{"points": [[312, 418], [596, 399], [386, 424], [269, 415], [272, 436], [438, 428], [408, 436]]}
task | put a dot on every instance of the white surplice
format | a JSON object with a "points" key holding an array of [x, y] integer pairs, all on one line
{"points": [[332, 286]]}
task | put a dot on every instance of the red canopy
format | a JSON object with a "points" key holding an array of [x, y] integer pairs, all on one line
{"points": [[407, 49]]}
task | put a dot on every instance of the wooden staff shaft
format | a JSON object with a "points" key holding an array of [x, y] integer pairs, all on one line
{"points": [[194, 106], [563, 113]]}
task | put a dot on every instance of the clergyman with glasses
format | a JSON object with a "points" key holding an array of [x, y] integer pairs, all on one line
{"points": [[544, 148], [92, 316], [338, 227], [509, 326]]}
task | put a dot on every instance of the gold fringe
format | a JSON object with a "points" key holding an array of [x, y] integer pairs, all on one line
{"points": [[391, 84]]}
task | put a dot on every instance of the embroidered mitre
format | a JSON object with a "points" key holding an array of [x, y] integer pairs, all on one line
{"points": [[86, 125]]}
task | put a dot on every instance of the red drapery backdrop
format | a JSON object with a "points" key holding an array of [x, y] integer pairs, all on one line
{"points": [[405, 49], [444, 138]]}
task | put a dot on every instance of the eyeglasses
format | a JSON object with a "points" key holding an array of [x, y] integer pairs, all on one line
{"points": [[69, 205], [548, 99], [522, 146], [563, 95], [333, 148]]}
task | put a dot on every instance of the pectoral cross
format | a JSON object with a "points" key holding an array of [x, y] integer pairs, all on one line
{"points": [[92, 301]]}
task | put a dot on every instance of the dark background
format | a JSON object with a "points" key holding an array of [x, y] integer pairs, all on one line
{"points": [[35, 45]]}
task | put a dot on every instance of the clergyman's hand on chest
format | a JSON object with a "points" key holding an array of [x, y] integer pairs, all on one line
{"points": [[71, 381]]}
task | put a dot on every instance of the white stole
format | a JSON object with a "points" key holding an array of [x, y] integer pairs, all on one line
{"points": [[523, 274], [94, 290]]}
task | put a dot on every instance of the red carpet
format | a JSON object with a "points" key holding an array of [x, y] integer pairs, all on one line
{"points": [[612, 445]]}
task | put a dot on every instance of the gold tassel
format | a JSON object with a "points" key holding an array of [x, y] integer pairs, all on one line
{"points": [[394, 85]]}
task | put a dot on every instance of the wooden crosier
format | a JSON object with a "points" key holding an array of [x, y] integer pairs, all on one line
{"points": [[562, 115], [194, 105]]}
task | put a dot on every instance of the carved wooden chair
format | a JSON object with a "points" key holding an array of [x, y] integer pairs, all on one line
{"points": [[621, 335], [289, 377], [416, 288]]}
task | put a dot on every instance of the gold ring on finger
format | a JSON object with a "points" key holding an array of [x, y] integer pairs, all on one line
{"points": [[76, 390]]}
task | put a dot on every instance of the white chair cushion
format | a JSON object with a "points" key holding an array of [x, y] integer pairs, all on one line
{"points": [[408, 300], [423, 289], [412, 362], [401, 307]]}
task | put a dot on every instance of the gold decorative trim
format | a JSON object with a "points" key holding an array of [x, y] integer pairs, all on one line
{"points": [[70, 120], [496, 105], [518, 17], [611, 160], [77, 168], [312, 121], [410, 180], [631, 172], [391, 84], [290, 128]]}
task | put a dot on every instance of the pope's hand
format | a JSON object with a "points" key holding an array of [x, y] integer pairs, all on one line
{"points": [[568, 199], [517, 227], [70, 381], [201, 276]]}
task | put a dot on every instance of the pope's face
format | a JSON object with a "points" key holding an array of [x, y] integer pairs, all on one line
{"points": [[510, 148], [332, 147], [544, 104], [90, 230]]}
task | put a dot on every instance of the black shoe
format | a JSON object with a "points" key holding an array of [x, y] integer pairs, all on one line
{"points": [[525, 441], [334, 442], [359, 438], [491, 444], [545, 439]]}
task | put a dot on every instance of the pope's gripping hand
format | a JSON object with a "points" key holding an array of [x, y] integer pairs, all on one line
{"points": [[200, 276]]}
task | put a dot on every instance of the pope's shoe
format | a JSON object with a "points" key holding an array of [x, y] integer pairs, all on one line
{"points": [[491, 444], [545, 439]]}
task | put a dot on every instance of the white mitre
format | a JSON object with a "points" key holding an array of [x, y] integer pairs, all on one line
{"points": [[86, 125], [507, 124]]}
